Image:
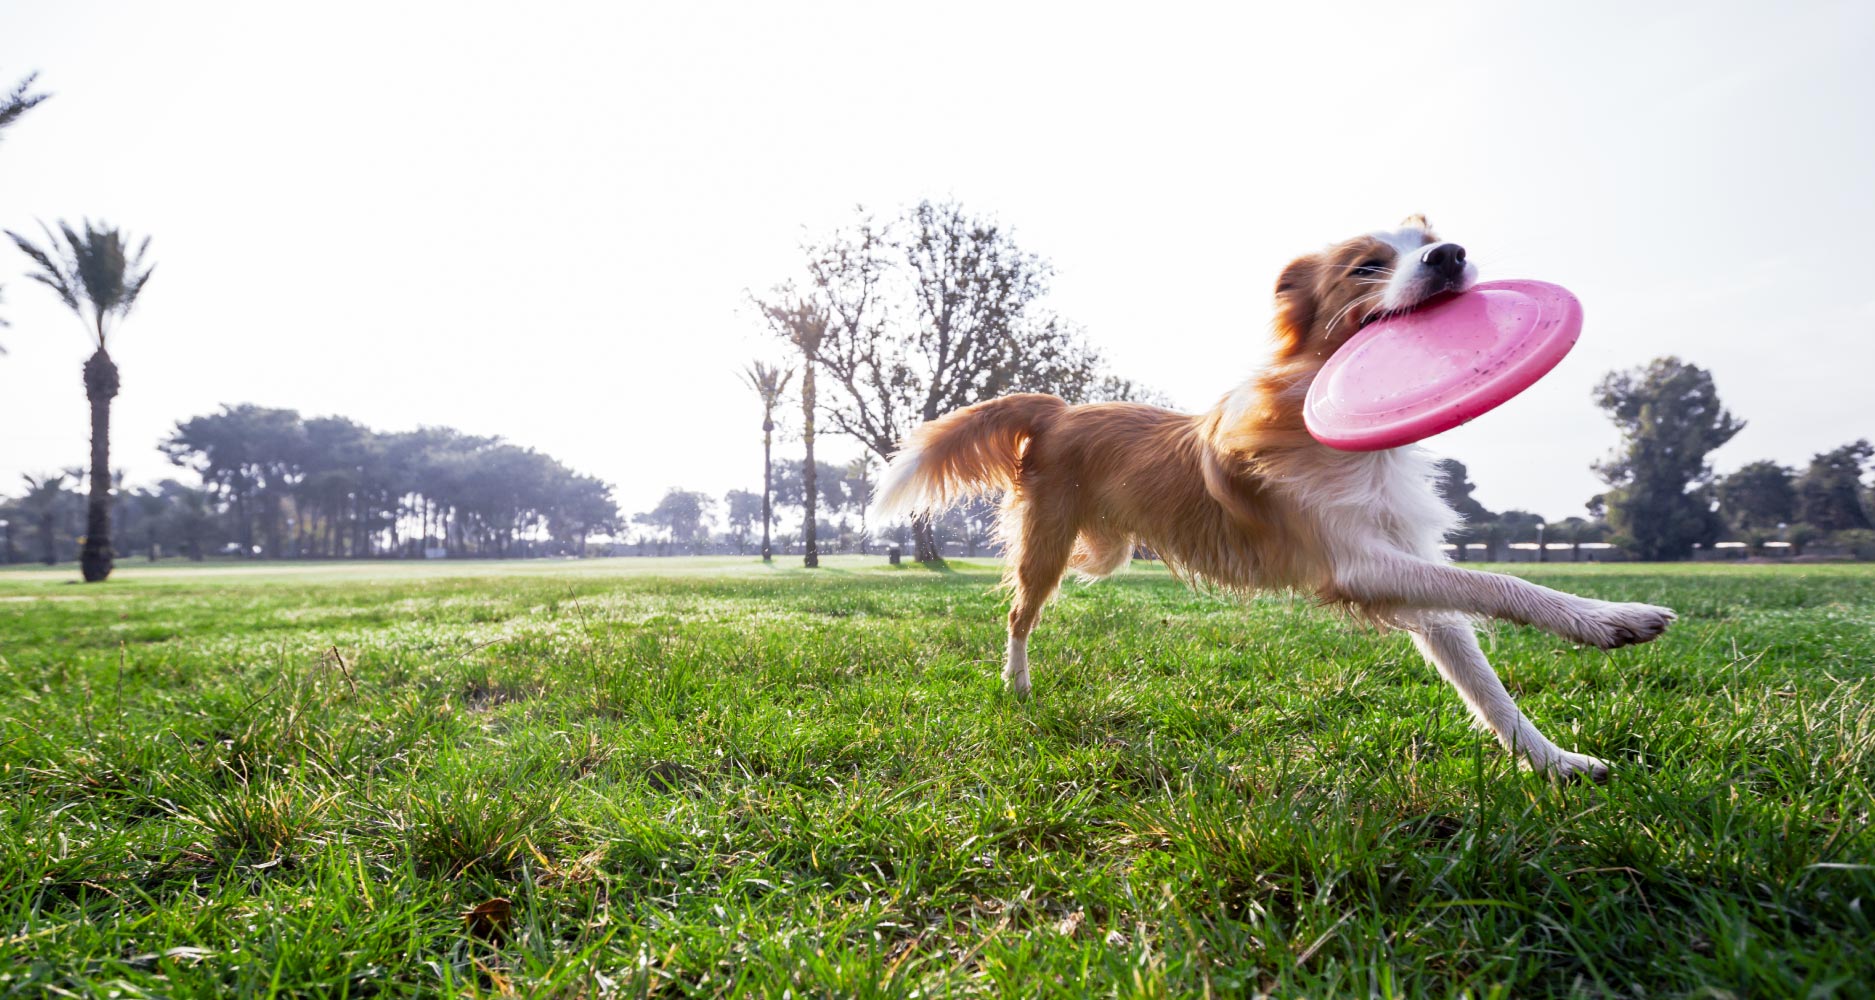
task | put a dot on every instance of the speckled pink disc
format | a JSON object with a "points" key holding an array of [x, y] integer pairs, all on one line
{"points": [[1408, 377]]}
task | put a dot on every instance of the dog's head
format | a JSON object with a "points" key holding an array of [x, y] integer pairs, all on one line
{"points": [[1323, 298]]}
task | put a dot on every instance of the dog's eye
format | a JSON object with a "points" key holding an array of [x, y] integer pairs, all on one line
{"points": [[1371, 267]]}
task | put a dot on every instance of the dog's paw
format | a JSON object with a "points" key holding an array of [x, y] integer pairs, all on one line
{"points": [[1611, 626], [1572, 767], [1018, 683]]}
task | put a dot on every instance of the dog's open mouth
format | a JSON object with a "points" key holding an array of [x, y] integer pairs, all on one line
{"points": [[1434, 299]]}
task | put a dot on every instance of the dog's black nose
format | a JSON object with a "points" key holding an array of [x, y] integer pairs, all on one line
{"points": [[1446, 260]]}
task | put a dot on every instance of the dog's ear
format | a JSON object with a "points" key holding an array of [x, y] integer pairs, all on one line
{"points": [[1295, 304]]}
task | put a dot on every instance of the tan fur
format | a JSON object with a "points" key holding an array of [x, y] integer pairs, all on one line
{"points": [[978, 449]]}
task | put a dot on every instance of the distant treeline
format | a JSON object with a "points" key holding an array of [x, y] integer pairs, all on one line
{"points": [[275, 484], [691, 522]]}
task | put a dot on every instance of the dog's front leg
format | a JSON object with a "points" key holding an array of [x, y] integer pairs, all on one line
{"points": [[1402, 581], [1450, 644]]}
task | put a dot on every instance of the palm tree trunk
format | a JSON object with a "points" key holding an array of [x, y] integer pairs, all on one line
{"points": [[809, 542], [271, 515], [94, 560], [924, 538], [49, 539], [247, 523], [768, 487]]}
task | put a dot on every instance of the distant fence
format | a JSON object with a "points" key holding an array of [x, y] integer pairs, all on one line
{"points": [[1532, 552], [1814, 552]]}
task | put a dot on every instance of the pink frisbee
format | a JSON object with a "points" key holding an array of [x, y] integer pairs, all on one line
{"points": [[1408, 377]]}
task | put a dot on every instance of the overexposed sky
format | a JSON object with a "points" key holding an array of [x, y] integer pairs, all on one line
{"points": [[539, 220]]}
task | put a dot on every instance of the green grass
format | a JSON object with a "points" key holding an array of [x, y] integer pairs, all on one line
{"points": [[701, 778]]}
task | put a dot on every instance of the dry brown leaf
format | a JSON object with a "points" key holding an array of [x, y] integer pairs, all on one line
{"points": [[489, 919]]}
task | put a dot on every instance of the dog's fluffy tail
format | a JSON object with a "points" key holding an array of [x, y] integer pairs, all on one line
{"points": [[962, 454]]}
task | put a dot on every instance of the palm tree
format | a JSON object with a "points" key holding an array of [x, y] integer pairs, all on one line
{"points": [[43, 501], [859, 477], [99, 269], [804, 324], [769, 383]]}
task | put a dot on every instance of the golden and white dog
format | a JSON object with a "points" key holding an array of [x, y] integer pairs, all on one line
{"points": [[1243, 497]]}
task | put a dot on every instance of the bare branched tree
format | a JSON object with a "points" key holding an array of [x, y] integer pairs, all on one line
{"points": [[938, 312]]}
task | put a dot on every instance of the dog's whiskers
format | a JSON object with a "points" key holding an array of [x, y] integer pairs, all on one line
{"points": [[1344, 309]]}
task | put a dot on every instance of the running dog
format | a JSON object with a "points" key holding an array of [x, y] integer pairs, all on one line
{"points": [[1241, 496]]}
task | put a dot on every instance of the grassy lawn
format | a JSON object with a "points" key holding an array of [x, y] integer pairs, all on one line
{"points": [[702, 777]]}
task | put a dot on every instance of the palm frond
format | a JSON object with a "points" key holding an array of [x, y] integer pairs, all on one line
{"points": [[50, 274], [135, 287], [770, 382], [18, 102], [93, 267]]}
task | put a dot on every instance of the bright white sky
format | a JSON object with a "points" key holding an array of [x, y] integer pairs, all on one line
{"points": [[539, 220]]}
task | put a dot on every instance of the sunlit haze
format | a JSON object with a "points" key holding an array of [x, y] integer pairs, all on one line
{"points": [[542, 221]]}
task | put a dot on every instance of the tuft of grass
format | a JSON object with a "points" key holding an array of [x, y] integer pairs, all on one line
{"points": [[710, 777], [468, 818], [261, 817]]}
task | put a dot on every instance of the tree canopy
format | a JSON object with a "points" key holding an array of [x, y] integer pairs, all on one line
{"points": [[1660, 497], [1757, 496], [937, 310], [683, 516], [97, 272]]}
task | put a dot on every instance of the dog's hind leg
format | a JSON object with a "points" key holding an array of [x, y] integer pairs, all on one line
{"points": [[1037, 561], [1449, 643]]}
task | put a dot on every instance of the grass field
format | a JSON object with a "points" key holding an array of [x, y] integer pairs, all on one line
{"points": [[701, 778]]}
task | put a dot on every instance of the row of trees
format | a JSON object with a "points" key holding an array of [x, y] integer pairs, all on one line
{"points": [[693, 522], [279, 485], [909, 318], [690, 521], [46, 522], [1665, 498], [331, 487], [1494, 530], [312, 488]]}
